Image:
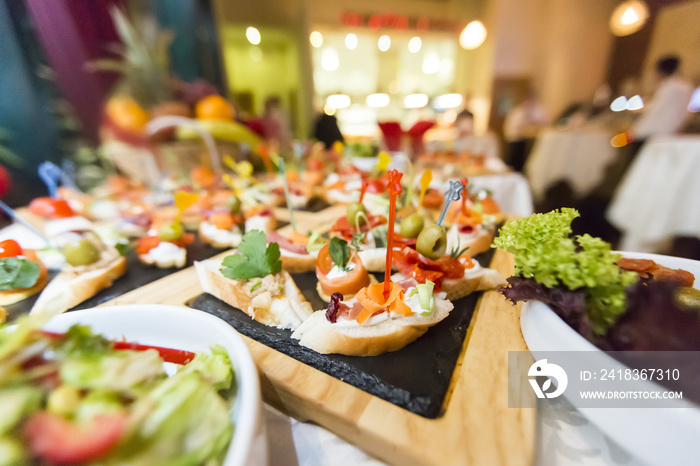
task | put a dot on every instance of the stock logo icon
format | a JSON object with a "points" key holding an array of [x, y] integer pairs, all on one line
{"points": [[542, 368]]}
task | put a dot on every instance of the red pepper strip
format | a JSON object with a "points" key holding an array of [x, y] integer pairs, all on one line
{"points": [[174, 356]]}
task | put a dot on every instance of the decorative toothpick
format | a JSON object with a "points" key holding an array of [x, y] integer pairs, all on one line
{"points": [[286, 194], [365, 183], [464, 182], [393, 187], [383, 162], [265, 155], [183, 201], [51, 174], [424, 183], [452, 194]]}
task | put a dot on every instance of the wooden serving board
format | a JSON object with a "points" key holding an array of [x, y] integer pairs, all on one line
{"points": [[477, 427]]}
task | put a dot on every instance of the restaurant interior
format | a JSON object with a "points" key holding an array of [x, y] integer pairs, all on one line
{"points": [[310, 111]]}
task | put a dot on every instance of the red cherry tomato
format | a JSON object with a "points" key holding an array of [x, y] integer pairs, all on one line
{"points": [[59, 441], [50, 207], [10, 248]]}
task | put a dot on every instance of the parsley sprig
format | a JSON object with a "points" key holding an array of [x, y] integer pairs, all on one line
{"points": [[255, 258]]}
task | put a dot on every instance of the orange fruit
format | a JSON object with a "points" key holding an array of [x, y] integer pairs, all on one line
{"points": [[126, 113], [214, 107]]}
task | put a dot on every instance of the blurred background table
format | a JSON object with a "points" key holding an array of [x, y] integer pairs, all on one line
{"points": [[578, 157], [659, 197]]}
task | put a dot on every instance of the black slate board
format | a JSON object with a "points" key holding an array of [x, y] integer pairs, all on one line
{"points": [[136, 276], [415, 378]]}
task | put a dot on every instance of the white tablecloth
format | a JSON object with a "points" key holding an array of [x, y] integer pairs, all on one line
{"points": [[578, 157], [659, 197]]}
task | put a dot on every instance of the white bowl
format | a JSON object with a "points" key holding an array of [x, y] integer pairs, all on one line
{"points": [[191, 330], [654, 435]]}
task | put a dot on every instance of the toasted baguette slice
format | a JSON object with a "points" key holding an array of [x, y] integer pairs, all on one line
{"points": [[231, 242], [324, 337], [327, 298], [68, 289], [456, 288], [14, 296], [287, 311], [374, 260], [297, 263], [476, 244]]}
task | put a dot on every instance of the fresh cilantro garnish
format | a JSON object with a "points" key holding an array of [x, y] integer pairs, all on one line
{"points": [[123, 248], [340, 252], [545, 252], [16, 272], [254, 259]]}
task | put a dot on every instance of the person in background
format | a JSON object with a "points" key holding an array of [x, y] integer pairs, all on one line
{"points": [[326, 130], [520, 128], [668, 109], [465, 139]]}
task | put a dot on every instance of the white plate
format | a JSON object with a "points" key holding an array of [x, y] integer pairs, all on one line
{"points": [[654, 435], [191, 330]]}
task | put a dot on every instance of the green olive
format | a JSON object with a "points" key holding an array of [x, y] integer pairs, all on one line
{"points": [[351, 212], [171, 231], [432, 242], [81, 252], [412, 225], [233, 204]]}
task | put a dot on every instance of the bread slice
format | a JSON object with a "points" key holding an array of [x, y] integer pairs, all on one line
{"points": [[68, 289], [324, 337], [216, 242], [287, 311], [14, 296], [374, 259], [475, 244], [456, 288], [297, 263]]}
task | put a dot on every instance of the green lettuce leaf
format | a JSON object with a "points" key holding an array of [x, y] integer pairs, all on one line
{"points": [[545, 252], [215, 367]]}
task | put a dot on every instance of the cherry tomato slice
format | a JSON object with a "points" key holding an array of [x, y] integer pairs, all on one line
{"points": [[10, 248], [50, 207], [60, 441]]}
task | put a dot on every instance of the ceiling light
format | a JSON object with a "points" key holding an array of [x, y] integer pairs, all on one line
{"points": [[377, 100], [634, 103], [253, 35], [329, 60], [447, 101], [473, 35], [629, 17], [619, 104], [414, 45], [316, 39], [415, 101], [351, 41], [384, 43], [431, 65], [338, 101]]}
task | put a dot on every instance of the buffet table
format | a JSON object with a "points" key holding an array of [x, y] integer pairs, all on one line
{"points": [[660, 194], [578, 157]]}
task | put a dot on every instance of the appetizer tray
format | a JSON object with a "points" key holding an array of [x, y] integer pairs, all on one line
{"points": [[390, 376], [453, 380]]}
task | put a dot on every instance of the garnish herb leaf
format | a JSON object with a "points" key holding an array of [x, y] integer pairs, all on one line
{"points": [[356, 238], [124, 248], [255, 258], [339, 251], [17, 272], [545, 252]]}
